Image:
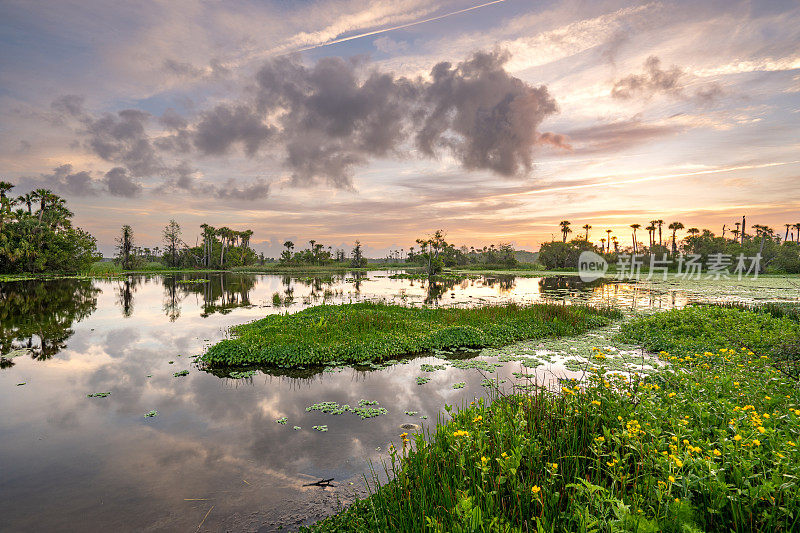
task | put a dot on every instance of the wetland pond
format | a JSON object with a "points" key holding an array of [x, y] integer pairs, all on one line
{"points": [[238, 453]]}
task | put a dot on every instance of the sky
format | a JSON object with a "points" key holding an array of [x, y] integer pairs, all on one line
{"points": [[384, 121]]}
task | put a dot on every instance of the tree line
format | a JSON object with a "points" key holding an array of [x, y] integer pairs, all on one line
{"points": [[221, 248], [779, 251], [37, 235]]}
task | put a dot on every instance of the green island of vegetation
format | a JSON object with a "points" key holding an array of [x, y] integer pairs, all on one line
{"points": [[710, 441], [368, 332]]}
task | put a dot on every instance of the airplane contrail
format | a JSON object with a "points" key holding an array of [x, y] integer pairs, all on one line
{"points": [[400, 27]]}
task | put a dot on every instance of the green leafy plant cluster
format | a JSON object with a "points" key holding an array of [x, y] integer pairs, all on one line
{"points": [[683, 332], [368, 332], [364, 410], [710, 441]]}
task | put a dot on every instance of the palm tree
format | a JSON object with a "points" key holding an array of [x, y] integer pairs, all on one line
{"points": [[565, 228], [44, 196], [226, 235], [786, 237], [744, 228], [28, 198], [693, 231], [651, 231], [675, 226], [5, 204], [797, 233], [608, 232], [246, 234], [660, 223], [616, 243], [4, 188], [587, 227], [603, 244], [635, 227]]}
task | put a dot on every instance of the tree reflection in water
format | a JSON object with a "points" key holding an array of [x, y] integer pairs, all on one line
{"points": [[37, 316]]}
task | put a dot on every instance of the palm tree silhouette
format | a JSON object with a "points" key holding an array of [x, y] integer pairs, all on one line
{"points": [[675, 226], [565, 228], [635, 227]]}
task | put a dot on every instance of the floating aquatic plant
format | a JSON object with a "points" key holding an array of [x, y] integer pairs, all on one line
{"points": [[98, 395], [181, 373], [367, 333], [241, 375], [422, 380], [364, 410], [151, 414], [282, 420]]}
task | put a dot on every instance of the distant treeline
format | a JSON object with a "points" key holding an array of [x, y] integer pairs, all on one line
{"points": [[779, 253]]}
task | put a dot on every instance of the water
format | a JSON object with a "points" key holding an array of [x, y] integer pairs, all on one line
{"points": [[214, 454]]}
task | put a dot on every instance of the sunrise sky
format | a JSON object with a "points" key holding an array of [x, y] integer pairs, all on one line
{"points": [[383, 121]]}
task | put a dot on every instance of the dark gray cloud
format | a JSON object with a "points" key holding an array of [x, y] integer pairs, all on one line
{"points": [[120, 183], [652, 81], [655, 80], [484, 116], [172, 120], [336, 118], [183, 177], [69, 104], [121, 138], [65, 181], [325, 119], [227, 125], [257, 190]]}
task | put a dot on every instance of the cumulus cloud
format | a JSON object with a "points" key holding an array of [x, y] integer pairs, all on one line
{"points": [[226, 125], [335, 119], [121, 138], [485, 116], [326, 119], [256, 190], [65, 181], [119, 183], [654, 80]]}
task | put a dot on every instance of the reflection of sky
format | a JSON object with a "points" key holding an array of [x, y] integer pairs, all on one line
{"points": [[72, 462]]}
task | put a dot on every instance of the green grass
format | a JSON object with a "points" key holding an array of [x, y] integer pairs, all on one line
{"points": [[368, 332], [683, 332], [104, 267], [709, 442]]}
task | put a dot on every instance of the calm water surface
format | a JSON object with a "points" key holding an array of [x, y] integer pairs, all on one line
{"points": [[214, 454]]}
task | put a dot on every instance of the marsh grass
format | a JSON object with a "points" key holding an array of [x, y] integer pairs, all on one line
{"points": [[370, 332], [708, 442]]}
